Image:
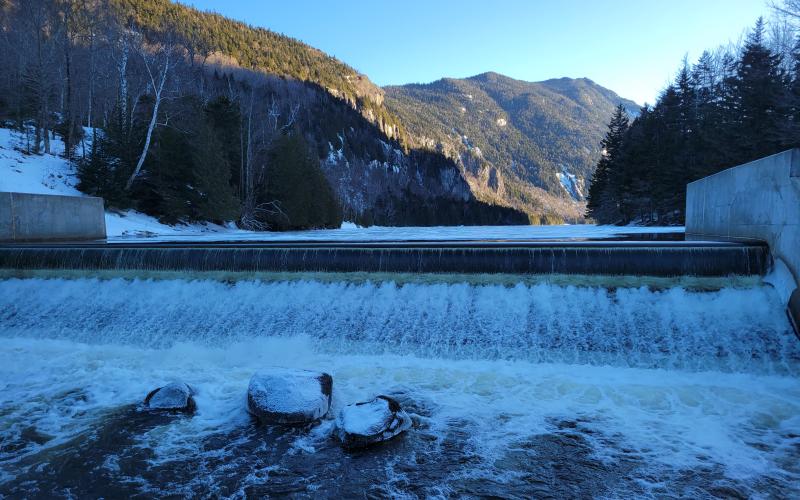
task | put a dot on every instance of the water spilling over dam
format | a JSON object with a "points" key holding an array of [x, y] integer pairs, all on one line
{"points": [[726, 330], [518, 387], [629, 391]]}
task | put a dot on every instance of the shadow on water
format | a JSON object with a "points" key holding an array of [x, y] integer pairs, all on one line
{"points": [[644, 237], [114, 460]]}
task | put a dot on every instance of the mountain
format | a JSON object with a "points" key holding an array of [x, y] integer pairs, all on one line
{"points": [[482, 150], [208, 142], [220, 41], [528, 145]]}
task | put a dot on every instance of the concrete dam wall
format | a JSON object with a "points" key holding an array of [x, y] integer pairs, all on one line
{"points": [[44, 217], [757, 201], [602, 258]]}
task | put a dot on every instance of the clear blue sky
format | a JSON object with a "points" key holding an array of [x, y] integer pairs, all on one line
{"points": [[632, 47]]}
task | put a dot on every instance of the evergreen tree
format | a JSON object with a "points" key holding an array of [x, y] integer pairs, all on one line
{"points": [[225, 120], [667, 181], [188, 176], [297, 193], [215, 199], [792, 139], [165, 187], [759, 95], [724, 111], [603, 201], [111, 159]]}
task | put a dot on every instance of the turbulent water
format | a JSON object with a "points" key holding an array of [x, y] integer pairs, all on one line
{"points": [[516, 390]]}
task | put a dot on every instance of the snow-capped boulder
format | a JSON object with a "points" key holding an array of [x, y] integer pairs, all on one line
{"points": [[287, 396], [175, 396], [362, 424]]}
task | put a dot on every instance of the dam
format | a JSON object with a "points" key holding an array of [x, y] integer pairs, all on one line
{"points": [[635, 258], [529, 368], [555, 367]]}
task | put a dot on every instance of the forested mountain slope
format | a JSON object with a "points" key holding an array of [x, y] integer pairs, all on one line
{"points": [[214, 39], [198, 117], [530, 145]]}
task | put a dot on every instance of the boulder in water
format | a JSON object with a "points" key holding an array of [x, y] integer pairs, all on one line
{"points": [[175, 396], [288, 396], [362, 424]]}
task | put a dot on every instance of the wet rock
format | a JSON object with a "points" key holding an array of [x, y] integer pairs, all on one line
{"points": [[362, 424], [32, 434], [287, 396], [175, 396]]}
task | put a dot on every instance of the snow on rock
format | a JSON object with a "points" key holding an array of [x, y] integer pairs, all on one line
{"points": [[571, 184], [173, 396], [289, 396], [362, 424]]}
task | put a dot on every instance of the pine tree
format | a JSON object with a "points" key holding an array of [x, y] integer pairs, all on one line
{"points": [[110, 161], [727, 110], [792, 137], [224, 117], [297, 189], [711, 130], [603, 200], [215, 199], [759, 97]]}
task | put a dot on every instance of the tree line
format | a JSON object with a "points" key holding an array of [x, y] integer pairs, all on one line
{"points": [[732, 106]]}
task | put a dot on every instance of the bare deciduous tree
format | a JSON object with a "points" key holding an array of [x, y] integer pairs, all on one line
{"points": [[159, 64]]}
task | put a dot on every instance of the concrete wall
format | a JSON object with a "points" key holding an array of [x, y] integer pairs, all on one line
{"points": [[758, 200], [43, 217]]}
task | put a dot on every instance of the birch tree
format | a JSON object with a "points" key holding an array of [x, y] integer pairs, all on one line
{"points": [[158, 65]]}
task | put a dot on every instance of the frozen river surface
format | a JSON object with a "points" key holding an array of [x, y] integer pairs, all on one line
{"points": [[137, 229]]}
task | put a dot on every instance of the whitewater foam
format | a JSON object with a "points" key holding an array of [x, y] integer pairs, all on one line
{"points": [[500, 380], [727, 330]]}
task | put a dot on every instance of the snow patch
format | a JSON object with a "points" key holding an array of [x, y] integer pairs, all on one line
{"points": [[782, 280], [132, 224], [336, 155], [570, 183], [21, 172]]}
